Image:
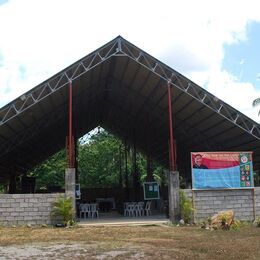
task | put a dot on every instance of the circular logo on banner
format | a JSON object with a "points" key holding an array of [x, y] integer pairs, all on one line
{"points": [[244, 159]]}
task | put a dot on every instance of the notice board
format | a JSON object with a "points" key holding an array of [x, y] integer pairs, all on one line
{"points": [[151, 191]]}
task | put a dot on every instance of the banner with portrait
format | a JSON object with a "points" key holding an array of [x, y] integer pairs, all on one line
{"points": [[222, 170]]}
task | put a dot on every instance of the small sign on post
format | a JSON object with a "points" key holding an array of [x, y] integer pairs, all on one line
{"points": [[151, 191], [77, 191]]}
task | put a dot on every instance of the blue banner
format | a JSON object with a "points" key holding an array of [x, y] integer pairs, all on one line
{"points": [[222, 170]]}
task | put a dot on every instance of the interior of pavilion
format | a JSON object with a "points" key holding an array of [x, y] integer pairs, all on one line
{"points": [[110, 177]]}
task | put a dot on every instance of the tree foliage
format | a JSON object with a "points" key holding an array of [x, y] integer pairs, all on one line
{"points": [[51, 172], [98, 161], [186, 207], [98, 164]]}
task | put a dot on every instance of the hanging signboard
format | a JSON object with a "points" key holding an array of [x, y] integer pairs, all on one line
{"points": [[77, 191], [151, 191], [222, 170]]}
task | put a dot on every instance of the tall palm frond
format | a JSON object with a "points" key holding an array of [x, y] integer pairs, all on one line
{"points": [[255, 103]]}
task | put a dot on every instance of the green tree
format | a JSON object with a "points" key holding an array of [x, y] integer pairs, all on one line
{"points": [[50, 172], [98, 161], [98, 164]]}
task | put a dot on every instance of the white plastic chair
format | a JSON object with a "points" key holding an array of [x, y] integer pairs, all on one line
{"points": [[147, 208], [126, 211], [94, 210], [80, 210], [85, 209], [136, 209], [140, 209], [129, 209]]}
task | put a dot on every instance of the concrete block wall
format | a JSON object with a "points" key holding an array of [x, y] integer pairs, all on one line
{"points": [[21, 209], [257, 201], [210, 202]]}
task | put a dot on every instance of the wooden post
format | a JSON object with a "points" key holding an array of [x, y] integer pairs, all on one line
{"points": [[12, 183], [120, 168], [126, 175], [149, 174], [136, 183]]}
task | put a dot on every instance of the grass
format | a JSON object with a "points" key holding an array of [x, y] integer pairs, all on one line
{"points": [[149, 242]]}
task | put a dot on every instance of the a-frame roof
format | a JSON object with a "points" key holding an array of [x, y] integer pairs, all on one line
{"points": [[123, 89]]}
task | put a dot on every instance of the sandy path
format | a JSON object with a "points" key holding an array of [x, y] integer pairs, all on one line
{"points": [[62, 251]]}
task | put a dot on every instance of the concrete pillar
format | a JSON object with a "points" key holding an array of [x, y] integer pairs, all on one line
{"points": [[70, 187], [174, 196]]}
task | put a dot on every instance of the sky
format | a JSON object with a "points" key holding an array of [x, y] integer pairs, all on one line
{"points": [[213, 43]]}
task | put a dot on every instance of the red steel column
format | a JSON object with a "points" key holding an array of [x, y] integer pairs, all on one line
{"points": [[70, 126], [171, 141]]}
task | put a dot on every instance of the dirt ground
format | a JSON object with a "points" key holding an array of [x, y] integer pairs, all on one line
{"points": [[137, 242]]}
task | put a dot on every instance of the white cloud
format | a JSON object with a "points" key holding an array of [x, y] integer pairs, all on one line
{"points": [[43, 37], [238, 94], [229, 88]]}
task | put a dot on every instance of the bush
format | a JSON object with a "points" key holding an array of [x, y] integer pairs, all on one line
{"points": [[236, 225], [226, 220], [223, 220], [63, 208], [185, 208]]}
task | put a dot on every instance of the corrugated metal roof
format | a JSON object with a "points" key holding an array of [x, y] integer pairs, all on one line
{"points": [[123, 89]]}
